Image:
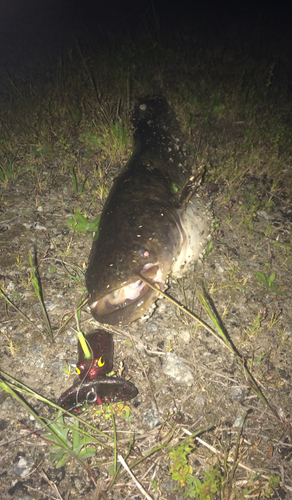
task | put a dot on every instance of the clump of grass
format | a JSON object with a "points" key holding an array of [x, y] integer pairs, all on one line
{"points": [[86, 105], [75, 183], [8, 172]]}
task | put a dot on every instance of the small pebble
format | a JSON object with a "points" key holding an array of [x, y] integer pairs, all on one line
{"points": [[151, 418], [175, 368], [237, 394], [23, 466]]}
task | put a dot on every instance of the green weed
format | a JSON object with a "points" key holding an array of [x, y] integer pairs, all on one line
{"points": [[252, 205], [260, 358], [209, 249], [65, 445], [256, 326], [216, 322], [67, 370], [124, 411], [112, 139], [80, 223], [208, 487], [182, 472], [274, 319], [78, 444], [102, 188], [179, 469], [75, 183], [268, 283], [8, 172]]}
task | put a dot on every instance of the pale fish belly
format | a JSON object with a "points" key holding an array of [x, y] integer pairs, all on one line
{"points": [[196, 223]]}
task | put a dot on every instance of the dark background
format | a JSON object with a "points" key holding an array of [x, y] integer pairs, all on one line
{"points": [[34, 33]]}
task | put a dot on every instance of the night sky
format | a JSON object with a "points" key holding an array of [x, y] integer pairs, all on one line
{"points": [[33, 33]]}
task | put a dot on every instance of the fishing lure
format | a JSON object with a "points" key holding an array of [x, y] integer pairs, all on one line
{"points": [[95, 387]]}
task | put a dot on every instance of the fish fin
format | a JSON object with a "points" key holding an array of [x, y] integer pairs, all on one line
{"points": [[191, 186]]}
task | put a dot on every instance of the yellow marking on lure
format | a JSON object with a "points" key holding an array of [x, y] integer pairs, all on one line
{"points": [[77, 370], [101, 362], [84, 345]]}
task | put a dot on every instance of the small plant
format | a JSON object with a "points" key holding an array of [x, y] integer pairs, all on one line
{"points": [[208, 250], [10, 347], [272, 485], [63, 443], [112, 138], [269, 284], [67, 370], [75, 183], [274, 319], [260, 358], [256, 326], [124, 411], [7, 172], [219, 106], [16, 295], [180, 470], [204, 490], [102, 189], [229, 220], [80, 223], [262, 488], [19, 263]]}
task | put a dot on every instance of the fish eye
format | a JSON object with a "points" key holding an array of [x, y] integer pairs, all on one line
{"points": [[145, 253]]}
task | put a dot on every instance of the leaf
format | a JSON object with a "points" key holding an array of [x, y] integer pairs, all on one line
{"points": [[71, 224], [76, 436], [63, 460], [111, 470], [263, 279], [57, 456], [87, 453], [208, 249], [274, 481], [80, 223]]}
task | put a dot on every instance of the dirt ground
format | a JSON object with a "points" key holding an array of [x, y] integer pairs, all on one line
{"points": [[215, 392]]}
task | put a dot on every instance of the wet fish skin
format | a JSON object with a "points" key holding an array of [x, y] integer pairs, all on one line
{"points": [[141, 228]]}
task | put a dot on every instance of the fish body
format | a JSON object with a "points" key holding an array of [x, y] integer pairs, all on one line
{"points": [[147, 225]]}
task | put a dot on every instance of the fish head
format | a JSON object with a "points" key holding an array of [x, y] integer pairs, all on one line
{"points": [[119, 257]]}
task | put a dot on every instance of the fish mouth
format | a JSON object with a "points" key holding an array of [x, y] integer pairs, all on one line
{"points": [[117, 303]]}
